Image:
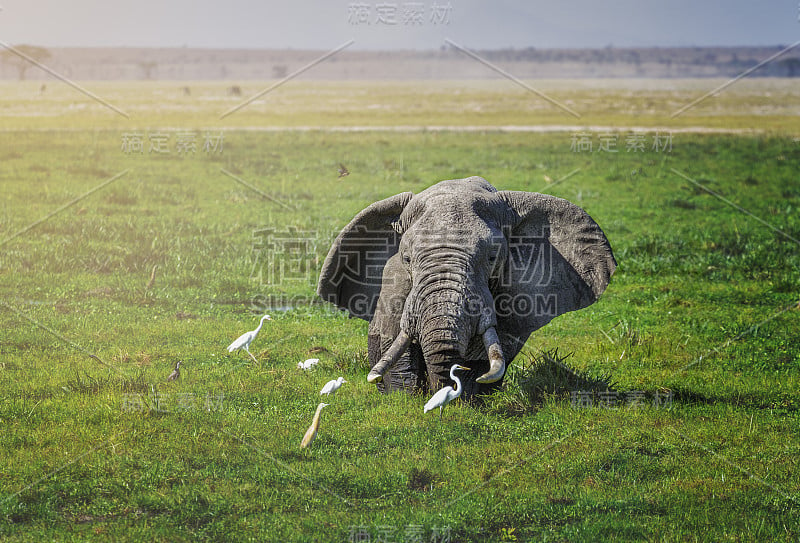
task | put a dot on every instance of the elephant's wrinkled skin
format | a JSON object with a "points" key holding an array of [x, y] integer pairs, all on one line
{"points": [[462, 273]]}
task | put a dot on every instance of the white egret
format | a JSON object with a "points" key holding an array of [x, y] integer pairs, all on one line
{"points": [[332, 386], [176, 373], [311, 433], [308, 364], [247, 338], [447, 394]]}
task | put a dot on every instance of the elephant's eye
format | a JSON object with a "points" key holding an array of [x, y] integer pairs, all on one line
{"points": [[407, 258]]}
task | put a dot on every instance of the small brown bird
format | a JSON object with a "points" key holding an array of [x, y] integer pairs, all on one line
{"points": [[176, 373], [311, 433], [343, 171]]}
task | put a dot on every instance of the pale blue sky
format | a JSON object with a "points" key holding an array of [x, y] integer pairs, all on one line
{"points": [[393, 24]]}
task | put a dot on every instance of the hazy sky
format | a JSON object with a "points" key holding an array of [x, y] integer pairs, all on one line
{"points": [[422, 24]]}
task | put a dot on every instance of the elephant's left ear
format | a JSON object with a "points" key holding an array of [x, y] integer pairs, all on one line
{"points": [[559, 261], [352, 272]]}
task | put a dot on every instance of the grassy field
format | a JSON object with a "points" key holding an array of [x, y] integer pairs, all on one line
{"points": [[141, 259], [764, 104]]}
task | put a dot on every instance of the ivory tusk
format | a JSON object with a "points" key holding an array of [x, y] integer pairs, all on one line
{"points": [[497, 364], [392, 354]]}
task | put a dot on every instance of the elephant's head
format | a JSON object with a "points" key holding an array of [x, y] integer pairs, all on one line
{"points": [[463, 273]]}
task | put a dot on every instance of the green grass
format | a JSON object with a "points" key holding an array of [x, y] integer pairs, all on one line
{"points": [[703, 304]]}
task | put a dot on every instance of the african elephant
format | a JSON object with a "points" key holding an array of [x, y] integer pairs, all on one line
{"points": [[462, 273]]}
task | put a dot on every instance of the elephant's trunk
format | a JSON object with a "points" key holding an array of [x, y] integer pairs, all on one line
{"points": [[445, 333], [444, 323], [443, 336]]}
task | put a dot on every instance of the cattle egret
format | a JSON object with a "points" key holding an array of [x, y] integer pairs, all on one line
{"points": [[332, 386], [176, 373], [308, 364], [247, 338], [311, 433], [447, 394]]}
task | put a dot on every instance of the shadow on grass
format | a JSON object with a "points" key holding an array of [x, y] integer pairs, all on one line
{"points": [[752, 400], [539, 378]]}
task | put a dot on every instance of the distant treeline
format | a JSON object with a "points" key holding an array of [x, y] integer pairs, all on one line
{"points": [[444, 63], [728, 60]]}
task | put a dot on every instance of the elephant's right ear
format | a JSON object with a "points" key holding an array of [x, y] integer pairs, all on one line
{"points": [[352, 272]]}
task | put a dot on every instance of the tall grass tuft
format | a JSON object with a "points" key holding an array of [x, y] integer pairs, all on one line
{"points": [[89, 384], [352, 361], [534, 379]]}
